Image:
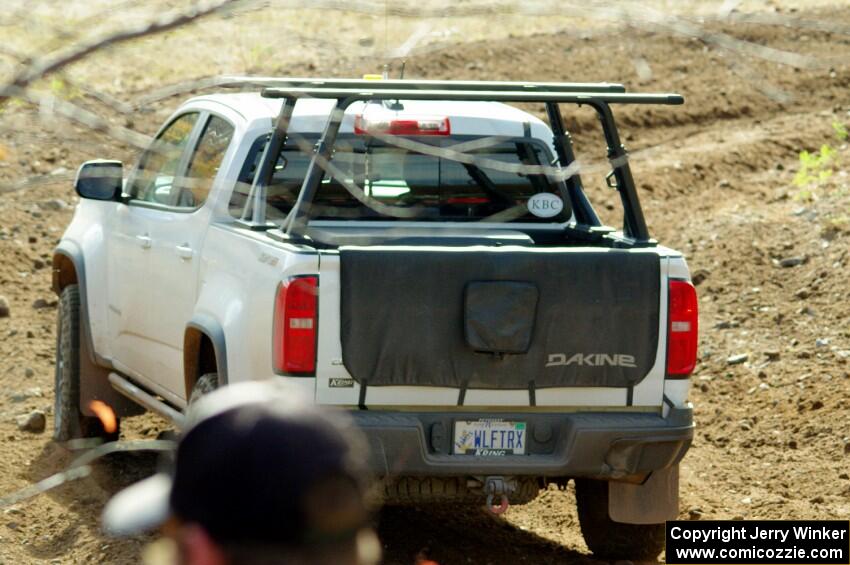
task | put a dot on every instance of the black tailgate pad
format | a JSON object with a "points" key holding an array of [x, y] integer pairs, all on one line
{"points": [[499, 319]]}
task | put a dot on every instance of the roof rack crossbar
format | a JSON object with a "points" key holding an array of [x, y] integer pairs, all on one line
{"points": [[353, 94], [405, 84]]}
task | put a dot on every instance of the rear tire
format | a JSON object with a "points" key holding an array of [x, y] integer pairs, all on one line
{"points": [[608, 539], [204, 385], [69, 422]]}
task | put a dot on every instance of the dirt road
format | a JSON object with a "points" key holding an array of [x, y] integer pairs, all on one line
{"points": [[716, 177]]}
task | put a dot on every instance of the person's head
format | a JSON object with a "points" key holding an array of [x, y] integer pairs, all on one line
{"points": [[260, 478]]}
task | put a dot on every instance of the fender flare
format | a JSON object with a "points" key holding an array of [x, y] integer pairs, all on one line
{"points": [[71, 252], [207, 326]]}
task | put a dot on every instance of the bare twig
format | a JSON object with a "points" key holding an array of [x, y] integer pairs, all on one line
{"points": [[81, 467], [9, 51], [39, 68], [35, 180], [787, 21], [45, 485], [103, 97], [179, 88], [50, 104], [643, 16], [760, 83]]}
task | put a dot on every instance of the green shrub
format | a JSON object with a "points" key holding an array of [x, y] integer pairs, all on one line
{"points": [[815, 168]]}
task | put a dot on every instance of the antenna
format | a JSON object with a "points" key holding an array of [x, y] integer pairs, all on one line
{"points": [[396, 104]]}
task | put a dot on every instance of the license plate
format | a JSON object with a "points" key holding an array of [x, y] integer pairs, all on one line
{"points": [[489, 437]]}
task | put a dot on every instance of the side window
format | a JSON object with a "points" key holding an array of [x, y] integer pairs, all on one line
{"points": [[205, 163], [154, 179], [239, 197]]}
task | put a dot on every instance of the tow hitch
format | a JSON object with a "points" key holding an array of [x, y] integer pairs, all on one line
{"points": [[499, 487]]}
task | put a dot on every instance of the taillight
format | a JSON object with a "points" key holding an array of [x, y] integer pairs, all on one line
{"points": [[405, 126], [682, 329], [296, 320]]}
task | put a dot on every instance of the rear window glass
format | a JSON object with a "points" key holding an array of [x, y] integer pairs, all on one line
{"points": [[400, 184]]}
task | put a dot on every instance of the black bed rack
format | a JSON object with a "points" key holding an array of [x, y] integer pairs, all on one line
{"points": [[414, 84], [345, 92], [557, 96]]}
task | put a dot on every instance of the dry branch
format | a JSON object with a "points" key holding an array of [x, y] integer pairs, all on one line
{"points": [[49, 105], [46, 65]]}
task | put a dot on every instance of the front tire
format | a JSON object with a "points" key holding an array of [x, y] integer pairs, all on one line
{"points": [[608, 539], [69, 422]]}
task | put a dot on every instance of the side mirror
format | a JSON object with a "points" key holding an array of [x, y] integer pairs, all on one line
{"points": [[100, 180]]}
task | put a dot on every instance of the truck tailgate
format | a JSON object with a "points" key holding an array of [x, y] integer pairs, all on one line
{"points": [[498, 318]]}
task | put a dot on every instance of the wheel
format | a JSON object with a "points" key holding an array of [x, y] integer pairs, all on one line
{"points": [[608, 539], [69, 422], [205, 384]]}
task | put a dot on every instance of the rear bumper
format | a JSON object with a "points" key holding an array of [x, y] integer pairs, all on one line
{"points": [[609, 445]]}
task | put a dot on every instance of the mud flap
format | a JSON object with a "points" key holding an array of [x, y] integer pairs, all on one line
{"points": [[94, 385], [653, 502]]}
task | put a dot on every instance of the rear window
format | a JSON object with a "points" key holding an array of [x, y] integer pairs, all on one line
{"points": [[400, 184]]}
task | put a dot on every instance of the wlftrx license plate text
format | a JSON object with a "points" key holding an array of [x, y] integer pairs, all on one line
{"points": [[489, 437]]}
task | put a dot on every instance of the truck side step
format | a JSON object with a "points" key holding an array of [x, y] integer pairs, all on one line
{"points": [[146, 399]]}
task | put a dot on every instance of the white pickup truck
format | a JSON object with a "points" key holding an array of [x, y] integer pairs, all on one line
{"points": [[417, 252]]}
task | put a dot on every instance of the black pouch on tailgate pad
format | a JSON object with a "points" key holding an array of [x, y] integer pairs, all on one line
{"points": [[499, 316], [497, 319]]}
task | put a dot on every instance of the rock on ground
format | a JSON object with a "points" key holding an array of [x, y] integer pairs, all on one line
{"points": [[34, 422]]}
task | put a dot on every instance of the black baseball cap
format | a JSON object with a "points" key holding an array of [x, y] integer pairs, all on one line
{"points": [[255, 464]]}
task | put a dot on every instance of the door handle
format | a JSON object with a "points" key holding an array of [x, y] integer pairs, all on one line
{"points": [[185, 251], [144, 241]]}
